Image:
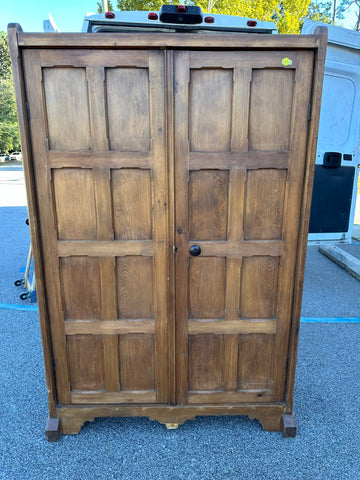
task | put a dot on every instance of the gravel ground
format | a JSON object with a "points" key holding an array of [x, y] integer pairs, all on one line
{"points": [[14, 233], [326, 398], [329, 291], [326, 409], [352, 248]]}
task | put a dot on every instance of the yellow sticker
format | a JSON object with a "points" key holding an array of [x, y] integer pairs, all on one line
{"points": [[286, 61]]}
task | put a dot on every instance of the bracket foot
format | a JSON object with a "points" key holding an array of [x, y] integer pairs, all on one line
{"points": [[52, 429], [288, 426]]}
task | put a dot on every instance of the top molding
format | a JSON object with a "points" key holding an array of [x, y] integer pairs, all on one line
{"points": [[201, 41]]}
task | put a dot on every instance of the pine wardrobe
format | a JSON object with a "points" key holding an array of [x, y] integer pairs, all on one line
{"points": [[169, 181]]}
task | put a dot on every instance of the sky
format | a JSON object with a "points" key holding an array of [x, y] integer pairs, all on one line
{"points": [[68, 14]]}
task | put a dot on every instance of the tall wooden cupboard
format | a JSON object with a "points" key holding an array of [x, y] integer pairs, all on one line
{"points": [[169, 181]]}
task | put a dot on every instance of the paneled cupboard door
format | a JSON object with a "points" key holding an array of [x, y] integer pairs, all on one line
{"points": [[239, 167], [103, 127], [98, 134]]}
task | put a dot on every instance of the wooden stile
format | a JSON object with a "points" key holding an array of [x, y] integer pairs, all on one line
{"points": [[169, 193]]}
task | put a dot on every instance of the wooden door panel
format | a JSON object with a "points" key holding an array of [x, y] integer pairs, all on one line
{"points": [[206, 362], [209, 367], [238, 197], [81, 286], [208, 192], [131, 203], [75, 203], [259, 282], [210, 116], [129, 128], [256, 358], [264, 204], [135, 288], [207, 281], [99, 146], [86, 375], [271, 97], [137, 366], [68, 125]]}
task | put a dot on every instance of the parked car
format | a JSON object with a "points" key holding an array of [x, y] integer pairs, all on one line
{"points": [[4, 157], [15, 156]]}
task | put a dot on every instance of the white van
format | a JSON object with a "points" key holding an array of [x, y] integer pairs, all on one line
{"points": [[173, 18], [338, 148]]}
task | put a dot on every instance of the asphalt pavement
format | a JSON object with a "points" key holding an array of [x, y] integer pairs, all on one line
{"points": [[326, 394]]}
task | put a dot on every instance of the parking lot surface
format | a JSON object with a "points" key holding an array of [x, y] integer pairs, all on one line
{"points": [[326, 394]]}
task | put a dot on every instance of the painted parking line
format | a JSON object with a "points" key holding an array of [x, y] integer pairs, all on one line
{"points": [[23, 308], [329, 320]]}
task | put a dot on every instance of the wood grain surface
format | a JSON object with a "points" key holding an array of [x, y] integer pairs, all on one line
{"points": [[154, 151]]}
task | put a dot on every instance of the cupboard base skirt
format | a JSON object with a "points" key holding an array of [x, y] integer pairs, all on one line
{"points": [[273, 417]]}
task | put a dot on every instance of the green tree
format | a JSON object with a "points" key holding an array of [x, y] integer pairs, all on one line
{"points": [[100, 7], [9, 132], [7, 101], [124, 5], [287, 14], [345, 8], [320, 12], [5, 61], [260, 9]]}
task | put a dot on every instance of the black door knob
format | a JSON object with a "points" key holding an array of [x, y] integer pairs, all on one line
{"points": [[195, 250]]}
